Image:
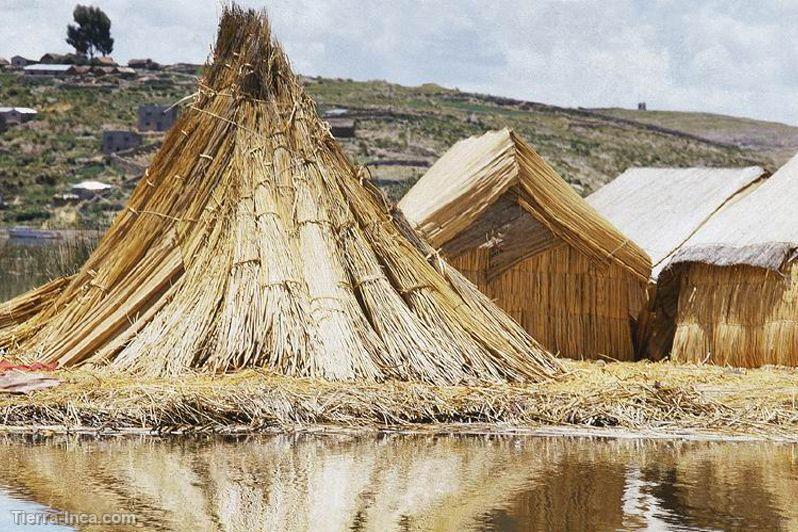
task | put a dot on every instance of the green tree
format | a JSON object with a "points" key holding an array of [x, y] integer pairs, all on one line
{"points": [[91, 32]]}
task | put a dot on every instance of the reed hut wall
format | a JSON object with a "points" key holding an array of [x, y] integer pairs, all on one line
{"points": [[660, 209], [564, 300], [735, 282], [506, 220]]}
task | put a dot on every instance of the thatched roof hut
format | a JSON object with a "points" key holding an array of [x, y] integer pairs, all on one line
{"points": [[253, 241], [505, 218], [661, 208], [735, 281]]}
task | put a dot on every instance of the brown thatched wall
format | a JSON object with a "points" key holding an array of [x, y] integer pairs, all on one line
{"points": [[568, 303], [737, 315]]}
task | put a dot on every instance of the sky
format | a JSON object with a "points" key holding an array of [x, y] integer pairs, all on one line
{"points": [[735, 57]]}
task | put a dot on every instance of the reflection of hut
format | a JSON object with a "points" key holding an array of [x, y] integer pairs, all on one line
{"points": [[253, 241], [734, 283], [660, 208], [505, 218]]}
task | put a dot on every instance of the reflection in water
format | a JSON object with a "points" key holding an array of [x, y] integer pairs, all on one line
{"points": [[335, 482]]}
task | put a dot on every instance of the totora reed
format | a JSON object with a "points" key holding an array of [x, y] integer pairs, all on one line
{"points": [[253, 242]]}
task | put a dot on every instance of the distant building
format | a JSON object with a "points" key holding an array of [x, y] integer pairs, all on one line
{"points": [[17, 115], [62, 59], [342, 128], [4, 62], [21, 62], [104, 60], [79, 70], [59, 200], [143, 64], [156, 117], [126, 72], [89, 189], [99, 70], [336, 112], [48, 70], [114, 141], [641, 106]]}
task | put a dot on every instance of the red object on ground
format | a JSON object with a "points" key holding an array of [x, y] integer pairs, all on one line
{"points": [[36, 366]]}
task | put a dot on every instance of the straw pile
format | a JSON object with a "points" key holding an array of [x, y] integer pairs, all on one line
{"points": [[507, 220], [734, 288], [253, 242]]}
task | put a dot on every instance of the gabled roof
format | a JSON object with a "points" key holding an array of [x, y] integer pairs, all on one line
{"points": [[486, 178], [661, 208], [760, 229]]}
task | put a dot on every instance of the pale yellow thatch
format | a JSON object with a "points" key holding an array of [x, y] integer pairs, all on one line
{"points": [[733, 287], [252, 241], [660, 209], [517, 229]]}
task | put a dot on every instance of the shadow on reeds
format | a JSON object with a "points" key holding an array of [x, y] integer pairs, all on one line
{"points": [[340, 482], [25, 264]]}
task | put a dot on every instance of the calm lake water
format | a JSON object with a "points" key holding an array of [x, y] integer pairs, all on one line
{"points": [[334, 482]]}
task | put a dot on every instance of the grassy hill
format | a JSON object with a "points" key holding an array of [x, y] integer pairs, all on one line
{"points": [[401, 131], [777, 142]]}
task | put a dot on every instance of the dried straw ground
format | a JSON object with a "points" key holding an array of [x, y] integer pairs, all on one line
{"points": [[655, 399]]}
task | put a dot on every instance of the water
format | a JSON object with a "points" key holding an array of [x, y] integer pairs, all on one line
{"points": [[335, 482], [26, 263]]}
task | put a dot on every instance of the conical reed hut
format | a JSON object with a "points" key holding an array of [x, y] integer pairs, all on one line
{"points": [[505, 218], [735, 281], [660, 209], [252, 241]]}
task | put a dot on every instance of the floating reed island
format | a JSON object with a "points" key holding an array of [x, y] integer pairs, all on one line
{"points": [[257, 280]]}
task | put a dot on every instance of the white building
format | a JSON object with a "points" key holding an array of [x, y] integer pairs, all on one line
{"points": [[17, 115]]}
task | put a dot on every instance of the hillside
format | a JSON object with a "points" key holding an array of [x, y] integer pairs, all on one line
{"points": [[777, 142], [400, 132]]}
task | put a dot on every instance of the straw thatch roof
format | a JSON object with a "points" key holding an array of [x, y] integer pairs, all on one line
{"points": [[252, 241], [660, 208], [759, 230], [497, 185]]}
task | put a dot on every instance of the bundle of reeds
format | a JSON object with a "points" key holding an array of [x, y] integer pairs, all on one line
{"points": [[253, 241]]}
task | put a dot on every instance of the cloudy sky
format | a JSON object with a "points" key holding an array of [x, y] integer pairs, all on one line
{"points": [[735, 57]]}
